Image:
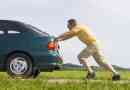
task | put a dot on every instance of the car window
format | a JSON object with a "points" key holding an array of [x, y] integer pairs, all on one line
{"points": [[13, 32], [2, 32]]}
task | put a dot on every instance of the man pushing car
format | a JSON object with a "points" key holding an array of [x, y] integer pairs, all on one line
{"points": [[92, 49]]}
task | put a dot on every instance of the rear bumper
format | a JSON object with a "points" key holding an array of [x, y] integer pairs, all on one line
{"points": [[48, 62], [56, 65], [50, 67]]}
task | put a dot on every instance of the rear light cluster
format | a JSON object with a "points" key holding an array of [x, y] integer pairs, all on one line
{"points": [[52, 46]]}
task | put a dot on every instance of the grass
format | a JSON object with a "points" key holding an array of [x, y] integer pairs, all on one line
{"points": [[41, 82], [80, 74]]}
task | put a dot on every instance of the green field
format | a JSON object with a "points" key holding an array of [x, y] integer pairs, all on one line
{"points": [[42, 81]]}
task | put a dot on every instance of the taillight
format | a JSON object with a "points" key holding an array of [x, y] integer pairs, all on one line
{"points": [[51, 46]]}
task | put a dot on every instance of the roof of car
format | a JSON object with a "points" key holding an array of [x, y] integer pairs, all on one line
{"points": [[11, 21], [19, 23]]}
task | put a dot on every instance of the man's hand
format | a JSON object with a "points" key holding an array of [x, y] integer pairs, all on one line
{"points": [[56, 40]]}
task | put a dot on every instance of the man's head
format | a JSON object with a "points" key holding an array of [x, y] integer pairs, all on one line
{"points": [[71, 23]]}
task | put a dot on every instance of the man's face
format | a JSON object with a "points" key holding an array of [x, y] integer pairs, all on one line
{"points": [[69, 26]]}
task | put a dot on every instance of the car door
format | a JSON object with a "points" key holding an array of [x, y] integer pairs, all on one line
{"points": [[3, 46], [13, 39]]}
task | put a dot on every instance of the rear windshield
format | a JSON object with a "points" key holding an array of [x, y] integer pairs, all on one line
{"points": [[38, 31]]}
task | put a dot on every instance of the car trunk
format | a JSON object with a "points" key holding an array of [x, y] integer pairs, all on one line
{"points": [[54, 47]]}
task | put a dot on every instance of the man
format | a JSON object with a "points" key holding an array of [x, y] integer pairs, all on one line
{"points": [[85, 36]]}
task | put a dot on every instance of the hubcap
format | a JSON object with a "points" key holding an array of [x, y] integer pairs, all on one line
{"points": [[18, 65]]}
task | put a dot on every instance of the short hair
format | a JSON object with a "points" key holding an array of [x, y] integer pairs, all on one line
{"points": [[72, 21]]}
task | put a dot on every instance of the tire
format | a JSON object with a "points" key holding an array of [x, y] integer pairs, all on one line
{"points": [[35, 72], [19, 65]]}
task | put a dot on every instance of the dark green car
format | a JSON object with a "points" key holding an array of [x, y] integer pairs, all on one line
{"points": [[26, 50]]}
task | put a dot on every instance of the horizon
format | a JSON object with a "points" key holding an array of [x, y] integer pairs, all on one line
{"points": [[96, 65]]}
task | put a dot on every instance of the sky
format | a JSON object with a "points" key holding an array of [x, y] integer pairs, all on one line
{"points": [[109, 20]]}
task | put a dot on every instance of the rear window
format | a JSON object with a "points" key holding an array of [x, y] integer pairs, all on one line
{"points": [[38, 31]]}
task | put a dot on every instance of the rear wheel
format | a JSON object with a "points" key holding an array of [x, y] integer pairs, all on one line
{"points": [[19, 65]]}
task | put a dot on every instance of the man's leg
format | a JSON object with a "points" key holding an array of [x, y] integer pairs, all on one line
{"points": [[100, 59], [86, 64], [83, 56]]}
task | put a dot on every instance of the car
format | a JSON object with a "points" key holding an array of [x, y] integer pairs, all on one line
{"points": [[25, 50]]}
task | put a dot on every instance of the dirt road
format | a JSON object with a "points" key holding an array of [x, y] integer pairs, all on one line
{"points": [[78, 81]]}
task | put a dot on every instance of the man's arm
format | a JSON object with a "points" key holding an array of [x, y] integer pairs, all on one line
{"points": [[68, 35], [65, 36]]}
